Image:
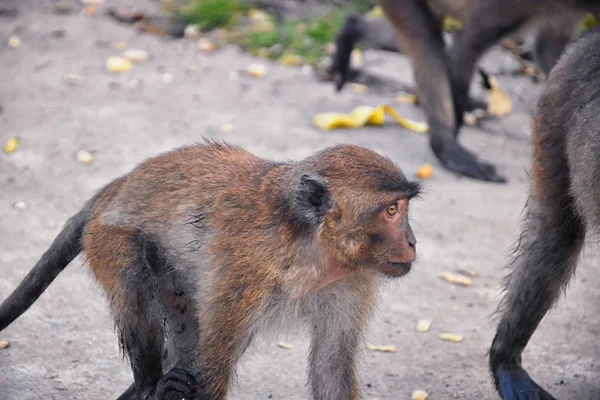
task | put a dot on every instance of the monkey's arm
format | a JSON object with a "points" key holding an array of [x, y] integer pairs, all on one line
{"points": [[337, 331], [420, 37]]}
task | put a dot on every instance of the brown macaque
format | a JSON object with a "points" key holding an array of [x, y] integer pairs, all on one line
{"points": [[443, 76], [564, 203], [223, 245]]}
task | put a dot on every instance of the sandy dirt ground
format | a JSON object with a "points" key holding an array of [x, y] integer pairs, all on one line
{"points": [[64, 347]]}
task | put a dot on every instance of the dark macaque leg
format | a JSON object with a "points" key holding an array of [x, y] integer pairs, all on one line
{"points": [[420, 37], [124, 268], [345, 40], [546, 257], [487, 24]]}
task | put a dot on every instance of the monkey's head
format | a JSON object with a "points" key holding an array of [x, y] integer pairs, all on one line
{"points": [[356, 203]]}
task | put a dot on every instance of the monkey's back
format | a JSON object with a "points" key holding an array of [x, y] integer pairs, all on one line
{"points": [[174, 186]]}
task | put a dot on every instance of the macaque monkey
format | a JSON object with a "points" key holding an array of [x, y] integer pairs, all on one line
{"points": [[201, 249], [443, 76], [564, 203]]}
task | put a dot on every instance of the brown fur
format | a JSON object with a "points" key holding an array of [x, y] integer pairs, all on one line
{"points": [[222, 245]]}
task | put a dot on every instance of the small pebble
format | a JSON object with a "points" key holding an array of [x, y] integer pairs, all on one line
{"points": [[84, 157], [257, 70], [20, 205], [167, 77], [4, 344], [135, 55], [419, 395], [74, 79], [191, 32], [423, 325]]}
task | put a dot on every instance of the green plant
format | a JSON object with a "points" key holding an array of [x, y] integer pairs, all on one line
{"points": [[208, 14]]}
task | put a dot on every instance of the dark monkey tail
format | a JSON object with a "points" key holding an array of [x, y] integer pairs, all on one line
{"points": [[63, 250]]}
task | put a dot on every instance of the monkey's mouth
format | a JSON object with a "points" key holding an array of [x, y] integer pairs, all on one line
{"points": [[397, 269]]}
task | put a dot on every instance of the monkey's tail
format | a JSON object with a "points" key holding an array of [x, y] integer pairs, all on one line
{"points": [[63, 250]]}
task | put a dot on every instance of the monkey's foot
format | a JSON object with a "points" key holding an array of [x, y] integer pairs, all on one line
{"points": [[177, 384], [515, 384], [458, 159]]}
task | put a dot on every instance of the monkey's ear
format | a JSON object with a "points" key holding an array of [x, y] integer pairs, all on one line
{"points": [[312, 199]]}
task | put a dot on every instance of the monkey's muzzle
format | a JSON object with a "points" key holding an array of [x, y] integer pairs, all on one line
{"points": [[398, 269]]}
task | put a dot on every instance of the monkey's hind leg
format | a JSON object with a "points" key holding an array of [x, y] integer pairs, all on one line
{"points": [[420, 37], [122, 266], [547, 254]]}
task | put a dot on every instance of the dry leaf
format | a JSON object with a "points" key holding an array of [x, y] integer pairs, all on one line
{"points": [[89, 11], [11, 145], [384, 349], [118, 64], [425, 171], [423, 325], [284, 345], [206, 45], [499, 103], [451, 337], [357, 87], [135, 55], [366, 115], [376, 12], [52, 375], [419, 395], [4, 344], [452, 24], [458, 279], [257, 70], [291, 59], [84, 157], [356, 58], [14, 42], [407, 98]]}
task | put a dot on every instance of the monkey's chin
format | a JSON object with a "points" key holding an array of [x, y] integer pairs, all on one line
{"points": [[396, 269]]}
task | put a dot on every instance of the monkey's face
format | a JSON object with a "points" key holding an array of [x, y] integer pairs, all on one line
{"points": [[392, 241], [379, 239]]}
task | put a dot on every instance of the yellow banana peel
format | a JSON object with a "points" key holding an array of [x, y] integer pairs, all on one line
{"points": [[366, 115]]}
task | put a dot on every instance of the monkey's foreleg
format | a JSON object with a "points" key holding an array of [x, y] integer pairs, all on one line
{"points": [[547, 255], [420, 36], [337, 331]]}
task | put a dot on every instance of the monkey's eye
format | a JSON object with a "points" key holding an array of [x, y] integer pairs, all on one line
{"points": [[392, 210]]}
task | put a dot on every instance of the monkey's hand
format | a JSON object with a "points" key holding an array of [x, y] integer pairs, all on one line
{"points": [[177, 384], [513, 383], [458, 159]]}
